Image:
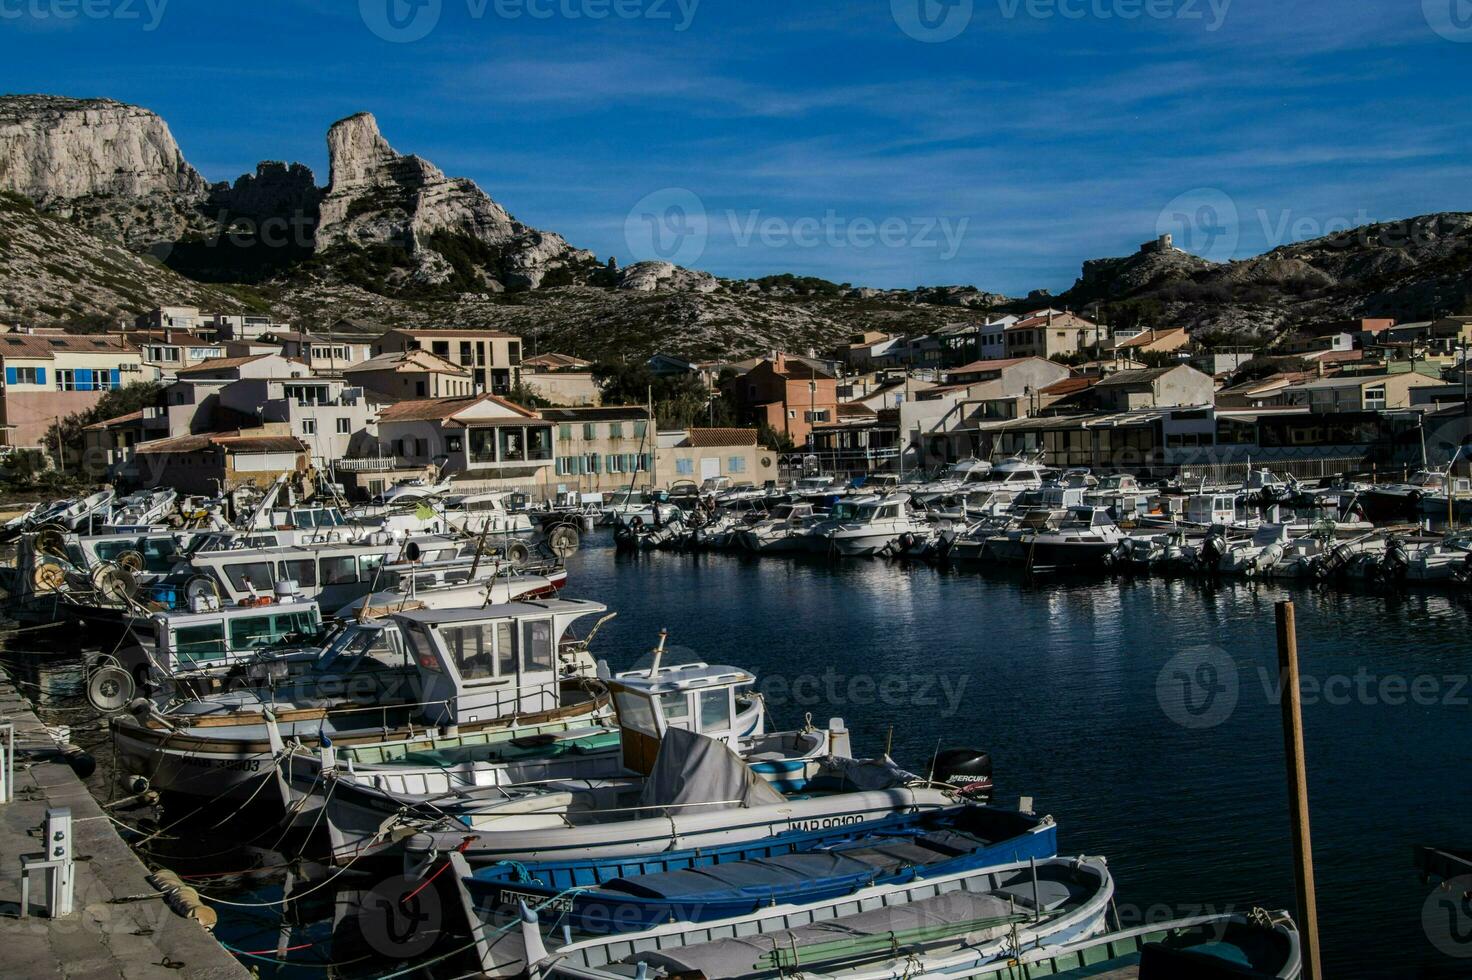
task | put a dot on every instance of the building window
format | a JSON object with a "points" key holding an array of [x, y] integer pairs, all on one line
{"points": [[344, 427], [452, 444], [684, 467], [564, 432], [419, 388], [736, 464], [1375, 398], [309, 426], [514, 350], [590, 463], [25, 376], [590, 430], [613, 463], [615, 430], [639, 429], [440, 348], [467, 353]]}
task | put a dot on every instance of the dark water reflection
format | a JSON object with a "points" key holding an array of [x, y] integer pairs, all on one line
{"points": [[1079, 691]]}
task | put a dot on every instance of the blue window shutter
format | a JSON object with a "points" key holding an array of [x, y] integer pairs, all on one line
{"points": [[83, 379], [117, 378], [10, 375], [40, 376]]}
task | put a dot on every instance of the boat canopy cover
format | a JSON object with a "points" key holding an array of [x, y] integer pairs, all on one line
{"points": [[692, 770]]}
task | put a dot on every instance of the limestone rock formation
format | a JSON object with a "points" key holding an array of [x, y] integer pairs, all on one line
{"points": [[115, 169], [378, 196], [647, 277]]}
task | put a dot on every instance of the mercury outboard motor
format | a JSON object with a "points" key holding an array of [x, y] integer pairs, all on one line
{"points": [[966, 770]]}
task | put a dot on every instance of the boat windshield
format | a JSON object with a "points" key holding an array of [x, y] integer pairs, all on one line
{"points": [[355, 646]]}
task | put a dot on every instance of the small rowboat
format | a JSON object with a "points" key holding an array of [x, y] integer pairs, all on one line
{"points": [[622, 894]]}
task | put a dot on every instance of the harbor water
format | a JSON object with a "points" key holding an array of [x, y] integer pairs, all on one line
{"points": [[1143, 714]]}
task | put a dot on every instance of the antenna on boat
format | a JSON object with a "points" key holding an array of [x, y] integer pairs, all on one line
{"points": [[658, 652]]}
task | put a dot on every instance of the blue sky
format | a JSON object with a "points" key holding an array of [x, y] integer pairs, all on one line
{"points": [[891, 143]]}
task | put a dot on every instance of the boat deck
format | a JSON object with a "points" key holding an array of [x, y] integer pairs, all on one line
{"points": [[121, 926]]}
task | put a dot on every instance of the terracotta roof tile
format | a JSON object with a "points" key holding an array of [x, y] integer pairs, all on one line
{"points": [[440, 409], [715, 438], [46, 346]]}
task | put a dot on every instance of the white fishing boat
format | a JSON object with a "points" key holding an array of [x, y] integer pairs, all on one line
{"points": [[80, 514], [453, 772], [695, 792], [785, 531], [141, 511], [864, 525], [637, 508], [485, 513], [512, 665], [1085, 539]]}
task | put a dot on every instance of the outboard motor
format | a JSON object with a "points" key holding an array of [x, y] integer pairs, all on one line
{"points": [[967, 770], [1393, 566], [1213, 548]]}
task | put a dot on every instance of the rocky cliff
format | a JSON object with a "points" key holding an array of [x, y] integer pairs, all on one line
{"points": [[379, 197], [112, 168]]}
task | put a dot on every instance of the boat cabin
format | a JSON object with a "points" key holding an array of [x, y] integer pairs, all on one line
{"points": [[1212, 508], [497, 662], [210, 637], [794, 513], [1087, 517], [714, 701], [870, 509], [333, 574]]}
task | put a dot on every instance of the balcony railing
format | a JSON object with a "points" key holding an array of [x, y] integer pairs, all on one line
{"points": [[375, 464]]}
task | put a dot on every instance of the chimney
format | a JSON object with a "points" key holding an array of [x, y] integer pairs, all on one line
{"points": [[1050, 316]]}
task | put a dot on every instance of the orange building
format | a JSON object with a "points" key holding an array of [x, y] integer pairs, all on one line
{"points": [[787, 393]]}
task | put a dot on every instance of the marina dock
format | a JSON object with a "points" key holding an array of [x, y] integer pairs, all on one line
{"points": [[120, 926]]}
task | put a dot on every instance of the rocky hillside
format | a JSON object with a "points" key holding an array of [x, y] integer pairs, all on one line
{"points": [[53, 271], [1411, 270], [122, 222]]}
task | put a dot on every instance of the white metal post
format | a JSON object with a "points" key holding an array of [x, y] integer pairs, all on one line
{"points": [[59, 850]]}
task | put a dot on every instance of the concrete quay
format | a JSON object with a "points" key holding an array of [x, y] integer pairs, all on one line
{"points": [[120, 926]]}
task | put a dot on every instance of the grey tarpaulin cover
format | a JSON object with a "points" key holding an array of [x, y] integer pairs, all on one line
{"points": [[691, 768], [866, 774]]}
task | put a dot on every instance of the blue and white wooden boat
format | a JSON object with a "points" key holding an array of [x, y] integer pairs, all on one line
{"points": [[950, 925], [596, 897]]}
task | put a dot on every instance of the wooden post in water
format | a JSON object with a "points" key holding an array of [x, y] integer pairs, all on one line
{"points": [[1303, 856]]}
